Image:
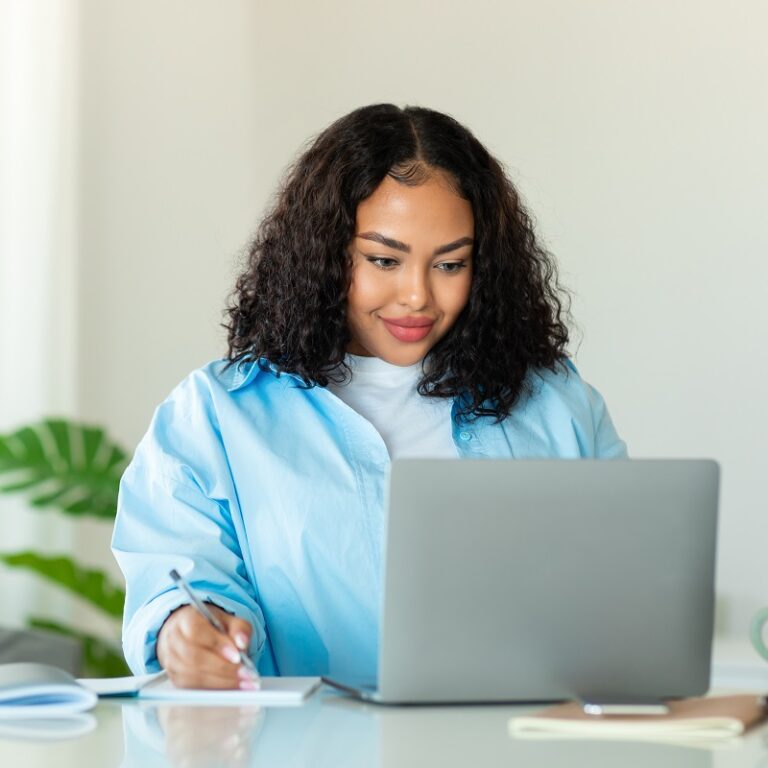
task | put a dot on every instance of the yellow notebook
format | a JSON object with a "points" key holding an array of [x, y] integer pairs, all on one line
{"points": [[700, 719]]}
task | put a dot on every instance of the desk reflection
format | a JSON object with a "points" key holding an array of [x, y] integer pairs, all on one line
{"points": [[208, 737], [333, 731], [197, 737], [477, 736]]}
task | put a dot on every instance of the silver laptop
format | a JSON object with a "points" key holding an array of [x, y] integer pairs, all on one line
{"points": [[512, 580]]}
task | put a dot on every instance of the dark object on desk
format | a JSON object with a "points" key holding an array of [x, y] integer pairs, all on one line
{"points": [[17, 645]]}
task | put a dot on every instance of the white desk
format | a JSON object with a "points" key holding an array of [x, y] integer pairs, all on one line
{"points": [[334, 731]]}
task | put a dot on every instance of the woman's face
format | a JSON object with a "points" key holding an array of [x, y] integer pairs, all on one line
{"points": [[411, 269]]}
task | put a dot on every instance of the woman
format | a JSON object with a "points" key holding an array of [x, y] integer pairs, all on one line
{"points": [[395, 303]]}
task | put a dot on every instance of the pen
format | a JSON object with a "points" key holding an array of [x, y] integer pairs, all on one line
{"points": [[181, 582]]}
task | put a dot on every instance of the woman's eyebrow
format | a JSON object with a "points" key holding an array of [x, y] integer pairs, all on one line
{"points": [[397, 245], [460, 243], [377, 237]]}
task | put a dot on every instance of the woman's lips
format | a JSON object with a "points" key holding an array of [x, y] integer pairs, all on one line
{"points": [[409, 329]]}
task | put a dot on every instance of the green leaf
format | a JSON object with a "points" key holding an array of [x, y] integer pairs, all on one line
{"points": [[72, 467], [100, 657], [89, 584]]}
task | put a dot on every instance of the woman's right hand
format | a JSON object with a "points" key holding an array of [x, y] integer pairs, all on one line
{"points": [[195, 655]]}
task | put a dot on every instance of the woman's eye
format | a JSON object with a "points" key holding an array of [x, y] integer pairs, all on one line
{"points": [[382, 262], [451, 267]]}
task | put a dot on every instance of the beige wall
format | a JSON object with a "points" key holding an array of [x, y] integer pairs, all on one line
{"points": [[635, 129], [39, 274]]}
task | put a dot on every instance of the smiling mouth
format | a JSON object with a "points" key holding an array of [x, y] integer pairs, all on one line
{"points": [[409, 329]]}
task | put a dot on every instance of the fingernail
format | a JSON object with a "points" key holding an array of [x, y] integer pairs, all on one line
{"points": [[241, 640], [245, 674], [250, 685], [230, 654]]}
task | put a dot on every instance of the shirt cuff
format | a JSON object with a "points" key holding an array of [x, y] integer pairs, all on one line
{"points": [[140, 635]]}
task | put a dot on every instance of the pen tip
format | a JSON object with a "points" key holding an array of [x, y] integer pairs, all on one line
{"points": [[175, 574]]}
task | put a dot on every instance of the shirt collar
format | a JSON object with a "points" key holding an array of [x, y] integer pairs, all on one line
{"points": [[245, 371]]}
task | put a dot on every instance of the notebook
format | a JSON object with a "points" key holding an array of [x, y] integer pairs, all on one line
{"points": [[40, 690], [689, 720], [274, 691]]}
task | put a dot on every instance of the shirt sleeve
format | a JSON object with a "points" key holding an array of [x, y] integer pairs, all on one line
{"points": [[608, 444], [589, 418], [177, 509]]}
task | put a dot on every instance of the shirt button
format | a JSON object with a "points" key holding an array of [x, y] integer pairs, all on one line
{"points": [[465, 436]]}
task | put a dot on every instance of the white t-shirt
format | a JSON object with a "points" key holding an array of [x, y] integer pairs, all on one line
{"points": [[411, 425]]}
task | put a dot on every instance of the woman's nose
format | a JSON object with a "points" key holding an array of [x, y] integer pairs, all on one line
{"points": [[414, 289]]}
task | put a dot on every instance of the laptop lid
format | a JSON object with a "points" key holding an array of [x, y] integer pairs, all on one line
{"points": [[513, 580]]}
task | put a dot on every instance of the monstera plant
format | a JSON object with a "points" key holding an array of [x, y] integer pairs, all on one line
{"points": [[75, 470]]}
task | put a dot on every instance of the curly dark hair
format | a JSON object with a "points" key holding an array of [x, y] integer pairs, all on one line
{"points": [[288, 308]]}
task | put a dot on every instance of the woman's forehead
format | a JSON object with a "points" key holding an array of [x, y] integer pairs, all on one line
{"points": [[433, 205]]}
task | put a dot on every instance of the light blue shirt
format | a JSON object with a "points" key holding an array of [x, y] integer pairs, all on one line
{"points": [[269, 497]]}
